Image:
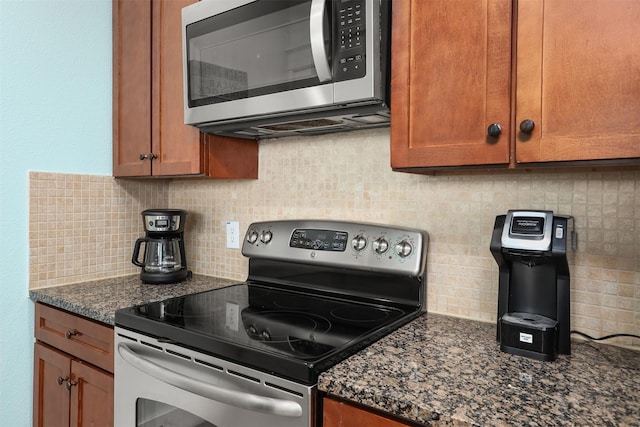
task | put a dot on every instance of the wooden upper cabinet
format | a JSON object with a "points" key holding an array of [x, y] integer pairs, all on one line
{"points": [[569, 69], [578, 80], [149, 134], [131, 87], [178, 146], [450, 82]]}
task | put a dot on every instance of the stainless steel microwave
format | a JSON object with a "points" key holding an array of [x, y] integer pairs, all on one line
{"points": [[270, 68]]}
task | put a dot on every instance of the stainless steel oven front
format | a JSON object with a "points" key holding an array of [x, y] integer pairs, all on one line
{"points": [[161, 384]]}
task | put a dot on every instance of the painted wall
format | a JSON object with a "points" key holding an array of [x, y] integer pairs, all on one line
{"points": [[55, 115]]}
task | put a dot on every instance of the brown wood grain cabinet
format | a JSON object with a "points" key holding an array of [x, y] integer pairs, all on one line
{"points": [[467, 74], [450, 81], [578, 80], [73, 370], [337, 413], [149, 134]]}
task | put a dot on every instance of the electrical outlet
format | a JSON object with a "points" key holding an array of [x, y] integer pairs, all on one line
{"points": [[233, 235]]}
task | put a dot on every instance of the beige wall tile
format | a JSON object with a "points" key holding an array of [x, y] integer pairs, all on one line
{"points": [[348, 177], [83, 227]]}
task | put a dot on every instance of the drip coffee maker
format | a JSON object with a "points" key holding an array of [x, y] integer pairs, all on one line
{"points": [[163, 255]]}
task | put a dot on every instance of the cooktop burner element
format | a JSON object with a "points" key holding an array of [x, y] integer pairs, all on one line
{"points": [[317, 292]]}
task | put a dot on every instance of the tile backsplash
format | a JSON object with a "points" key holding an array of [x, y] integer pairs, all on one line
{"points": [[84, 227]]}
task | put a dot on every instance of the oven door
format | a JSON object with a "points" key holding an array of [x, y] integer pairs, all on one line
{"points": [[159, 384]]}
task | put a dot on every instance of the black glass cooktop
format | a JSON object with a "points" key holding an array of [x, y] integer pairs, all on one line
{"points": [[287, 332]]}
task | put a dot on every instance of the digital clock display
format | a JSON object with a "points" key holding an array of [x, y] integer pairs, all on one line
{"points": [[319, 240]]}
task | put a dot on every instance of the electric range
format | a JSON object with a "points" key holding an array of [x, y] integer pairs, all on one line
{"points": [[316, 293]]}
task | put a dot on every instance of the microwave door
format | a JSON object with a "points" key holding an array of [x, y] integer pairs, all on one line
{"points": [[255, 59]]}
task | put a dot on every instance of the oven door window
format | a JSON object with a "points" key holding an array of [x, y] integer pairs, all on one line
{"points": [[264, 47], [150, 413]]}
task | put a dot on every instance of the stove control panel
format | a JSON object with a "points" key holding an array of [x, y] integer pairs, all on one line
{"points": [[319, 240], [364, 246]]}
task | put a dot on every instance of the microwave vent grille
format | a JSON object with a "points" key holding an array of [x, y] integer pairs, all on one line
{"points": [[301, 125]]}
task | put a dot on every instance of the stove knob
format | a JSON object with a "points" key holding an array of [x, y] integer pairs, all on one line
{"points": [[404, 249], [252, 331], [265, 335], [359, 242], [380, 245], [266, 236], [252, 237]]}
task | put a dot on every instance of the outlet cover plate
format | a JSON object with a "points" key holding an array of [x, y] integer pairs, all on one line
{"points": [[233, 234]]}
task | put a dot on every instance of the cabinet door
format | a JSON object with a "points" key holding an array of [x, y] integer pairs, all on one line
{"points": [[131, 87], [91, 396], [578, 80], [50, 394], [450, 81], [179, 147], [340, 414]]}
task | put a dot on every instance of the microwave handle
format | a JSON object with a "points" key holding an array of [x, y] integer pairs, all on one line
{"points": [[252, 402], [316, 34]]}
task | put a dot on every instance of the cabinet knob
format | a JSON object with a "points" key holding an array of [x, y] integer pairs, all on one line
{"points": [[494, 130], [61, 380], [71, 384], [526, 126], [145, 156], [71, 333]]}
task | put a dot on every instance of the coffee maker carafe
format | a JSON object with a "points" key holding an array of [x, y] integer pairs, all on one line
{"points": [[163, 258], [530, 248]]}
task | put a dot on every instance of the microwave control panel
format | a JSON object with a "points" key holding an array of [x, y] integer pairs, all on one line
{"points": [[350, 50]]}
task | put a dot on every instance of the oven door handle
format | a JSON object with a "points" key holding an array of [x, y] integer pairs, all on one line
{"points": [[316, 34], [252, 402]]}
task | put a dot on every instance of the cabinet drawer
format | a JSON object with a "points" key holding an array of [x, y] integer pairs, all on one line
{"points": [[85, 339]]}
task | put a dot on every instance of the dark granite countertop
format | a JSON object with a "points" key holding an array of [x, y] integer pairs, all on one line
{"points": [[437, 370], [99, 300], [441, 370]]}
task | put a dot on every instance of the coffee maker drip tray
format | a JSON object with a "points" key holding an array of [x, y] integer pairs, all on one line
{"points": [[527, 334]]}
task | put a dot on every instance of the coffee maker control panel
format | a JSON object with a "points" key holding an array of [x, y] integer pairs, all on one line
{"points": [[163, 220], [529, 230]]}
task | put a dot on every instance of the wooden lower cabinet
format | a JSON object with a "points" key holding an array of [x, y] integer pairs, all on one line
{"points": [[341, 414], [69, 390]]}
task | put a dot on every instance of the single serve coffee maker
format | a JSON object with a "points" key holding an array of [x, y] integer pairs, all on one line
{"points": [[530, 248], [163, 259]]}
